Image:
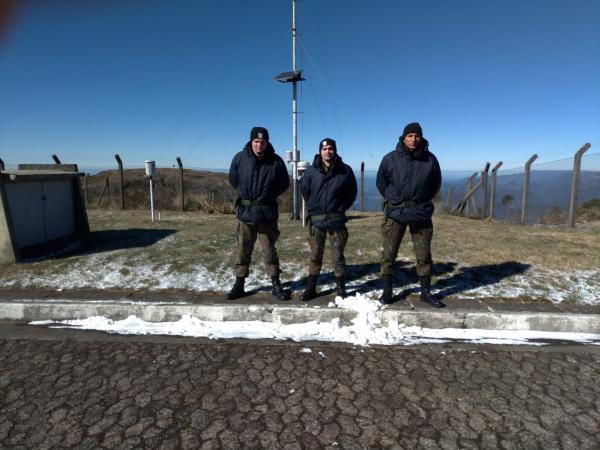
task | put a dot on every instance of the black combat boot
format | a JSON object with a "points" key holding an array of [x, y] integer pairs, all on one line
{"points": [[278, 291], [311, 288], [237, 290], [386, 296], [426, 295], [340, 287]]}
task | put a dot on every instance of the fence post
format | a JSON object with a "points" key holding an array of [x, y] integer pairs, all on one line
{"points": [[575, 183], [120, 163], [1, 165], [85, 188], [484, 179], [525, 205], [493, 195], [469, 187], [180, 164], [106, 189], [362, 186], [55, 158]]}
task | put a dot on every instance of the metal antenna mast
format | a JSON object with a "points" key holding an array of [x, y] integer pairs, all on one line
{"points": [[293, 77]]}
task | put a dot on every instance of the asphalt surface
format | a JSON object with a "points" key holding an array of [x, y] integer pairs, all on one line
{"points": [[72, 389]]}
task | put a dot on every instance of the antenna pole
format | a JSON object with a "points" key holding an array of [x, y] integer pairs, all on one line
{"points": [[294, 121]]}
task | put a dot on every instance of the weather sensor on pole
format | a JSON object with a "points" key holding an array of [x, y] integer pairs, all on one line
{"points": [[150, 174]]}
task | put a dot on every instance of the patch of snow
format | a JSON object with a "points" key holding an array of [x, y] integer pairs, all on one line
{"points": [[365, 329], [130, 269]]}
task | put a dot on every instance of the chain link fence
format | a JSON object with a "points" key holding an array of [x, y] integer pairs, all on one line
{"points": [[542, 197]]}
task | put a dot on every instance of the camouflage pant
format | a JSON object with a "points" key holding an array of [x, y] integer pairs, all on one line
{"points": [[337, 241], [267, 234], [420, 233]]}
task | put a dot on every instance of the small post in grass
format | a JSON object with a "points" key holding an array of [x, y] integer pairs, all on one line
{"points": [[150, 174], [362, 186], [120, 163], [180, 164]]}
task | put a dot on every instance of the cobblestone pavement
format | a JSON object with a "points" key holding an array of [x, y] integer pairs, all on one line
{"points": [[131, 393]]}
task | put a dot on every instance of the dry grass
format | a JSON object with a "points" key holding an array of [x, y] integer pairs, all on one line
{"points": [[466, 241], [183, 243]]}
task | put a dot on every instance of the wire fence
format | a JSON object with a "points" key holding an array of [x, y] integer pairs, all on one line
{"points": [[551, 192], [546, 195]]}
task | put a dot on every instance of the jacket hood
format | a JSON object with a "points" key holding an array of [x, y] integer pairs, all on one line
{"points": [[422, 150], [318, 162], [269, 151]]}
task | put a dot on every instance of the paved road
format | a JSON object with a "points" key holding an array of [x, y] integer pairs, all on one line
{"points": [[78, 390]]}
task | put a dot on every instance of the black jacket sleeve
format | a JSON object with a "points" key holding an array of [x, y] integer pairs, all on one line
{"points": [[351, 196], [304, 185], [436, 178], [283, 179], [233, 172], [382, 179]]}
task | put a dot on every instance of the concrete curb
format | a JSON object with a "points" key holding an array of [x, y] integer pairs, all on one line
{"points": [[24, 310]]}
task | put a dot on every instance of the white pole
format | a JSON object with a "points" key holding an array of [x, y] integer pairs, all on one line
{"points": [[151, 200], [294, 121]]}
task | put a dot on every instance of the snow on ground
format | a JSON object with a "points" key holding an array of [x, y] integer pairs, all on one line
{"points": [[118, 271], [128, 269], [365, 329]]}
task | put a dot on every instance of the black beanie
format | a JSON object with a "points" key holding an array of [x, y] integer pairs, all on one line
{"points": [[413, 127], [259, 133], [327, 141]]}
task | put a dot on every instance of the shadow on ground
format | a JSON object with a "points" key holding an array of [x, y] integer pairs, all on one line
{"points": [[403, 275], [106, 241], [461, 280], [468, 278], [109, 240]]}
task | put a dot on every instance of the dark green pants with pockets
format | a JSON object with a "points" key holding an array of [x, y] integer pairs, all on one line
{"points": [[420, 233], [246, 236], [337, 240]]}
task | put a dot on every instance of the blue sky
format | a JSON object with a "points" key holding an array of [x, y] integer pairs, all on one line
{"points": [[149, 79]]}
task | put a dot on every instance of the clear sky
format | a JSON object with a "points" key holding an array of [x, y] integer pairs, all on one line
{"points": [[149, 79]]}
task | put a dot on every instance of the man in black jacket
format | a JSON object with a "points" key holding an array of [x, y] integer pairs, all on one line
{"points": [[329, 188], [259, 177], [408, 179]]}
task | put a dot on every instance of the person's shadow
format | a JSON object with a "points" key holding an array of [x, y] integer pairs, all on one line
{"points": [[464, 279], [402, 275], [468, 278]]}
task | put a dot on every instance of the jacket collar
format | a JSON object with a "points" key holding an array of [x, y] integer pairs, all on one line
{"points": [[417, 154], [269, 152], [318, 163]]}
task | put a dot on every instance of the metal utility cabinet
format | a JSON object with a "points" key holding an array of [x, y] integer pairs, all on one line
{"points": [[41, 209]]}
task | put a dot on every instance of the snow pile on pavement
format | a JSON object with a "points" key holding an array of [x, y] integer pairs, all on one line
{"points": [[366, 329]]}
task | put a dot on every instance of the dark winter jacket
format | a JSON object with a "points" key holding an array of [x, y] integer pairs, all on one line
{"points": [[408, 182], [328, 193], [258, 183]]}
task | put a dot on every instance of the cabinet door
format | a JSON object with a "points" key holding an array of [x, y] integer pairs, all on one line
{"points": [[59, 213], [25, 203]]}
